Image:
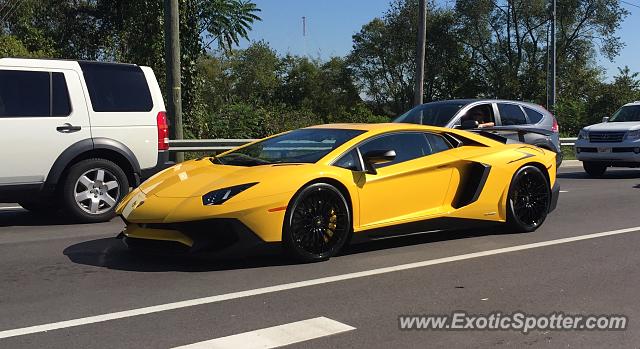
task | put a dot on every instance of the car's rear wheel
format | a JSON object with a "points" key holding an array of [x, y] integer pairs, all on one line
{"points": [[594, 169], [317, 223], [92, 188], [528, 200]]}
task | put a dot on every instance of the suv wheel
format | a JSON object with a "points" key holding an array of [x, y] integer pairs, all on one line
{"points": [[92, 188], [594, 169]]}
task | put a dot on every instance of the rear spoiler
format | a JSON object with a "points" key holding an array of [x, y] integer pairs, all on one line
{"points": [[492, 132]]}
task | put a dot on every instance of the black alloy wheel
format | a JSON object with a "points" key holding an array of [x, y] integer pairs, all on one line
{"points": [[317, 223], [529, 199]]}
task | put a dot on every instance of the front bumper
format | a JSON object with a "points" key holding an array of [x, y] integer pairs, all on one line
{"points": [[205, 236], [619, 152], [555, 194]]}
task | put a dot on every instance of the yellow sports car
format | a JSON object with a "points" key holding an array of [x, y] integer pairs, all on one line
{"points": [[314, 188]]}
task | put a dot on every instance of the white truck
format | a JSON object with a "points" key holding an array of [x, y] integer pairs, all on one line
{"points": [[77, 135], [613, 143]]}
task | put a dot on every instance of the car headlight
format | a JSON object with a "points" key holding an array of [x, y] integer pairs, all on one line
{"points": [[220, 196], [632, 135], [583, 134]]}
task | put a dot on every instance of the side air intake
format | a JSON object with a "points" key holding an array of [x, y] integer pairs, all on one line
{"points": [[474, 175]]}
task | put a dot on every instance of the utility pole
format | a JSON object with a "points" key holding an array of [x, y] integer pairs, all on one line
{"points": [[304, 26], [174, 79], [420, 53], [551, 89]]}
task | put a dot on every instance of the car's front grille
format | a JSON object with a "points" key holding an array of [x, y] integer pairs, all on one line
{"points": [[606, 137]]}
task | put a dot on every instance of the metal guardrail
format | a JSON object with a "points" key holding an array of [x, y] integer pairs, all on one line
{"points": [[213, 145], [220, 145]]}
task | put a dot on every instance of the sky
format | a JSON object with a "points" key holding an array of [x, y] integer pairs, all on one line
{"points": [[332, 23]]}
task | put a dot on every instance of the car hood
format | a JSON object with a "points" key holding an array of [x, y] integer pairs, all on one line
{"points": [[198, 177], [614, 126]]}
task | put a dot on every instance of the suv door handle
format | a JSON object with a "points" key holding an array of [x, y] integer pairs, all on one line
{"points": [[68, 128]]}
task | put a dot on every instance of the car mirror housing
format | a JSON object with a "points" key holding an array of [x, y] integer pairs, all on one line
{"points": [[605, 119], [469, 124], [375, 157]]}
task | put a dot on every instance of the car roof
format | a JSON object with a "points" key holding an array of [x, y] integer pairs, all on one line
{"points": [[382, 127], [50, 63], [486, 100]]}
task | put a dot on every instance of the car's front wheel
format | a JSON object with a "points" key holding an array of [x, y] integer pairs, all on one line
{"points": [[317, 223], [92, 188], [529, 199], [594, 169]]}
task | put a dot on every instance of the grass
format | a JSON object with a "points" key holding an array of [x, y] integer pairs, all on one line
{"points": [[568, 152]]}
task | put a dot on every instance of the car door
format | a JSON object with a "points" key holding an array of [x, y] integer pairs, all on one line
{"points": [[39, 119], [410, 187]]}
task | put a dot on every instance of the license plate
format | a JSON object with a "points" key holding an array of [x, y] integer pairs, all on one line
{"points": [[604, 150]]}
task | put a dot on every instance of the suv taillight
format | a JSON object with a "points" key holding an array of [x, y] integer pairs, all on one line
{"points": [[555, 127], [163, 131]]}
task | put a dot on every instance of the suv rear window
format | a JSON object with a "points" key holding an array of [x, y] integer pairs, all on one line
{"points": [[511, 115], [33, 94], [117, 87], [534, 116]]}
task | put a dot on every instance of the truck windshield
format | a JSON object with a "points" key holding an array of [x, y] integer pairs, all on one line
{"points": [[626, 114]]}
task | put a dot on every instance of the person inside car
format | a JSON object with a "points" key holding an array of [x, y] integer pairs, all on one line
{"points": [[480, 115]]}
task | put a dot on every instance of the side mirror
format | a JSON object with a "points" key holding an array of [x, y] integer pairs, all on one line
{"points": [[605, 119], [375, 157], [469, 124]]}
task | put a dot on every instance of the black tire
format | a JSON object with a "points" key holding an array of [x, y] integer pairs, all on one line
{"points": [[317, 223], [44, 207], [528, 201], [594, 169], [83, 211]]}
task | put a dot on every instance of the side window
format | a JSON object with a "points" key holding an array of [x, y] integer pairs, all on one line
{"points": [[483, 114], [438, 143], [33, 94], [511, 114], [534, 116], [408, 146], [24, 93], [60, 105], [117, 87], [350, 161]]}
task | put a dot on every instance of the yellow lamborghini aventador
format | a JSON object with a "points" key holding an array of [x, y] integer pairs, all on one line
{"points": [[312, 189]]}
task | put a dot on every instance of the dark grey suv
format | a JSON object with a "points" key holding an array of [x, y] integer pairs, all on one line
{"points": [[492, 115]]}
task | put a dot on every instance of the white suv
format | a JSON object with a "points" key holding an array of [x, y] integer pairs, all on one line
{"points": [[613, 143], [77, 135]]}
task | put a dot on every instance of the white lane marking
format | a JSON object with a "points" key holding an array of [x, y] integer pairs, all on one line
{"points": [[564, 191], [294, 285], [276, 336], [7, 208]]}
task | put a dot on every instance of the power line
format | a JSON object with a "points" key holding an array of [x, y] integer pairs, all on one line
{"points": [[630, 4], [12, 10]]}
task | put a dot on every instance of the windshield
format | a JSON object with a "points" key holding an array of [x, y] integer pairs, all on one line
{"points": [[299, 146], [628, 113], [433, 114]]}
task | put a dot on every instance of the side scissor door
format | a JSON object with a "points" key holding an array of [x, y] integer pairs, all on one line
{"points": [[412, 186]]}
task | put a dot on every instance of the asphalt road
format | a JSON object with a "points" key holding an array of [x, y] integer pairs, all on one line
{"points": [[52, 272]]}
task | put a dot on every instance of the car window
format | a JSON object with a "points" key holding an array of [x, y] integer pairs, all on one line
{"points": [[60, 105], [511, 114], [483, 114], [407, 145], [117, 87], [350, 161], [33, 94], [434, 114], [534, 116], [438, 143]]}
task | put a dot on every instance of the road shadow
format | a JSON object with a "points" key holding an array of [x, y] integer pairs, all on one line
{"points": [[20, 217], [113, 254], [610, 174]]}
